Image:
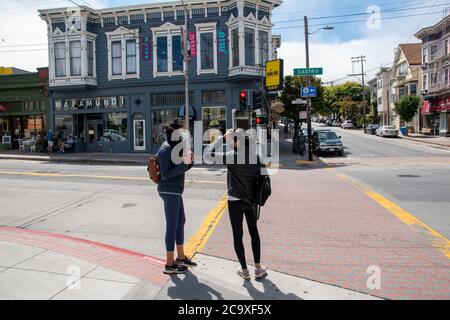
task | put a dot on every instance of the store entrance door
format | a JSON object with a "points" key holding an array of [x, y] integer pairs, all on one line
{"points": [[94, 136]]}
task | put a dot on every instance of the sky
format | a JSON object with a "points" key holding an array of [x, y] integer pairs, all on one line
{"points": [[371, 28]]}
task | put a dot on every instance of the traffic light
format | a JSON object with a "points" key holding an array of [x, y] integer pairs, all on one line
{"points": [[261, 120], [243, 100], [258, 100]]}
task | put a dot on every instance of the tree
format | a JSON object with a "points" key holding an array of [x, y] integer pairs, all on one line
{"points": [[291, 92], [406, 107]]}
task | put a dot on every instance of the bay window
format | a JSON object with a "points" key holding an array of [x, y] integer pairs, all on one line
{"points": [[249, 47], [263, 47], [433, 52], [207, 51], [75, 58], [425, 82], [90, 57], [60, 59], [447, 76], [235, 46]]}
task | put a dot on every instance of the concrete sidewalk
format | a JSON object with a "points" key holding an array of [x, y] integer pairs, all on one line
{"points": [[41, 265], [86, 158]]}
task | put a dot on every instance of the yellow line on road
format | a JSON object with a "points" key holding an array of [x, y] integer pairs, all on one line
{"points": [[439, 241], [69, 175], [199, 239]]}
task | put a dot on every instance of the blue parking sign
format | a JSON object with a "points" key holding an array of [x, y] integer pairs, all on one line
{"points": [[308, 92]]}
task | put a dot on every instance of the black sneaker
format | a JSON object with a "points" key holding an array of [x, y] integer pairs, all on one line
{"points": [[186, 262], [175, 269]]}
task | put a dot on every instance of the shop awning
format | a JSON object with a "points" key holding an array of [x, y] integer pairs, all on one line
{"points": [[191, 112], [443, 105], [3, 108], [426, 108]]}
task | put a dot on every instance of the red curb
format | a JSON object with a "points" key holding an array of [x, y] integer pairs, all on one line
{"points": [[117, 259]]}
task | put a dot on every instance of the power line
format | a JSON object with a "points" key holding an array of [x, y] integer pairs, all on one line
{"points": [[365, 13], [357, 21]]}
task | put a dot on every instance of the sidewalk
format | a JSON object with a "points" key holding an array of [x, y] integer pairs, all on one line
{"points": [[439, 141], [88, 158], [42, 265], [322, 226]]}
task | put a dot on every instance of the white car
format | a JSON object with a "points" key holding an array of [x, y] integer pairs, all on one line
{"points": [[336, 123], [387, 131], [347, 124]]}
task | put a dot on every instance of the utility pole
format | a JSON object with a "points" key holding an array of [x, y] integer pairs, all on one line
{"points": [[308, 106], [186, 67], [361, 59]]}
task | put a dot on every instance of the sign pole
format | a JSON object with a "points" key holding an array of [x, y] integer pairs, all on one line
{"points": [[308, 106]]}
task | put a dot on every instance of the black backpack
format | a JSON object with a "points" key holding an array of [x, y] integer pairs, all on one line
{"points": [[263, 193]]}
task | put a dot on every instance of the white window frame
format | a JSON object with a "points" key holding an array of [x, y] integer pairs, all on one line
{"points": [[426, 84], [446, 46], [123, 34], [436, 54], [425, 55], [447, 73], [166, 30], [66, 37], [206, 28], [138, 148]]}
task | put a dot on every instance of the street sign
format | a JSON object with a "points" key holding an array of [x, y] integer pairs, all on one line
{"points": [[303, 115], [299, 101], [303, 72], [308, 92]]}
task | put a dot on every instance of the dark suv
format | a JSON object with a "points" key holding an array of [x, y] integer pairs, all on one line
{"points": [[327, 141]]}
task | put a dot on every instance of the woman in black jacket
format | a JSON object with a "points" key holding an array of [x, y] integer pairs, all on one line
{"points": [[244, 169]]}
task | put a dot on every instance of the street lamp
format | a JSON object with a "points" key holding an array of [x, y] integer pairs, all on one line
{"points": [[308, 106]]}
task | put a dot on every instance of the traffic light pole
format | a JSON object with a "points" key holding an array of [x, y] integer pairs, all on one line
{"points": [[308, 106]]}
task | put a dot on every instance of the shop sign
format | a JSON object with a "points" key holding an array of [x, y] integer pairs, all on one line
{"points": [[146, 52], [274, 75], [116, 102], [222, 35], [443, 105], [192, 44], [35, 124]]}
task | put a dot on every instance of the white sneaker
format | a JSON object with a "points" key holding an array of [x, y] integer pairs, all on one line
{"points": [[244, 274], [260, 272]]}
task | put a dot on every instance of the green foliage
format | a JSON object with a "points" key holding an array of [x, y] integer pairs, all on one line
{"points": [[406, 107], [291, 92]]}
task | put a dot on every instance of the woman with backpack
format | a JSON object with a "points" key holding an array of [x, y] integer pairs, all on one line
{"points": [[242, 179], [170, 189]]}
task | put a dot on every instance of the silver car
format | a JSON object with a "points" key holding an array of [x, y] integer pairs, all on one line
{"points": [[387, 131]]}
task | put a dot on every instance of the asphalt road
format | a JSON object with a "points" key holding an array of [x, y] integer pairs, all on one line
{"points": [[411, 174], [117, 205]]}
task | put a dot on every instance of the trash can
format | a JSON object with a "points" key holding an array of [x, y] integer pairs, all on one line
{"points": [[404, 131], [299, 144]]}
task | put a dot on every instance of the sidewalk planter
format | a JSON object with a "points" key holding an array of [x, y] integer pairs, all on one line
{"points": [[404, 131]]}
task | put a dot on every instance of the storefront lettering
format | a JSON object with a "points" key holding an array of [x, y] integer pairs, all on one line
{"points": [[115, 102], [222, 42]]}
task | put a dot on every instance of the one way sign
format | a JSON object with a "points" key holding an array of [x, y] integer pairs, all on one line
{"points": [[308, 92]]}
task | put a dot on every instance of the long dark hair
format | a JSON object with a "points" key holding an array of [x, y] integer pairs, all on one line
{"points": [[170, 128]]}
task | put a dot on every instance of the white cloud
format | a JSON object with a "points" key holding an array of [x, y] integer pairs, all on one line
{"points": [[335, 57], [21, 25]]}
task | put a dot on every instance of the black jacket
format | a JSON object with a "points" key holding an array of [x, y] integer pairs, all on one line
{"points": [[242, 178]]}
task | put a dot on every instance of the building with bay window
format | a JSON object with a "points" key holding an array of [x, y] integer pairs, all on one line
{"points": [[435, 51], [116, 75]]}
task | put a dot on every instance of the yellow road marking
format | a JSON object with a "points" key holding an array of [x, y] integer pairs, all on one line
{"points": [[305, 162], [69, 175], [199, 239], [439, 241], [275, 165]]}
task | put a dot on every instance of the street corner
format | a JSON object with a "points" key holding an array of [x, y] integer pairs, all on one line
{"points": [[43, 265]]}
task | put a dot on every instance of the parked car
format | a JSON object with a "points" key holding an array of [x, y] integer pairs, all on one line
{"points": [[371, 128], [347, 124], [305, 131], [387, 131], [328, 123], [327, 141], [336, 123]]}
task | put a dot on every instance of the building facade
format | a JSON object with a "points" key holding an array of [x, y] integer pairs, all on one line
{"points": [[24, 107], [405, 80], [435, 111], [382, 95], [117, 75]]}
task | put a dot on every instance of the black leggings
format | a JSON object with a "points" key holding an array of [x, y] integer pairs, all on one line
{"points": [[236, 210]]}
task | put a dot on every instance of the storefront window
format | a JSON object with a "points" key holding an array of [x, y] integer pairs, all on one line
{"points": [[215, 118], [213, 97], [116, 129], [63, 126], [159, 119]]}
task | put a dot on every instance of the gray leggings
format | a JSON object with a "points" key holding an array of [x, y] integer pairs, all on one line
{"points": [[175, 220]]}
